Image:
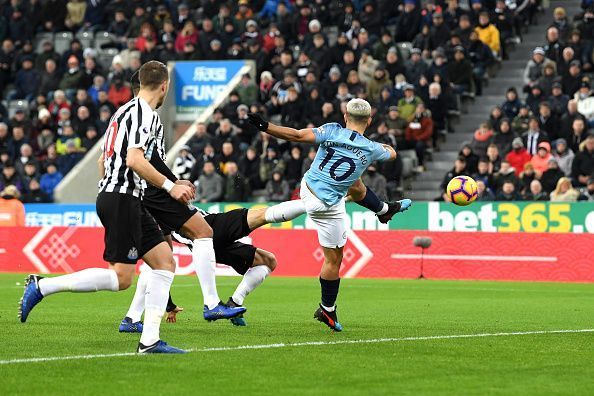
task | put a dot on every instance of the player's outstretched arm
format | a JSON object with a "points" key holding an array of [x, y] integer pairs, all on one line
{"points": [[291, 134], [135, 160], [101, 165], [391, 150]]}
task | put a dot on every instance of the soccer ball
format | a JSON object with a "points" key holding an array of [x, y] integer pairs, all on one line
{"points": [[462, 190]]}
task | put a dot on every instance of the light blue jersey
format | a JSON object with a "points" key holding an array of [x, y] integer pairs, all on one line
{"points": [[342, 158]]}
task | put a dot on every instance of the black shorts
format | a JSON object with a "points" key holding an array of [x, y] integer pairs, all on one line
{"points": [[130, 231], [170, 214], [227, 228]]}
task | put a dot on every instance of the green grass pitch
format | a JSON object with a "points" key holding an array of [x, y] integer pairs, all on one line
{"points": [[281, 311]]}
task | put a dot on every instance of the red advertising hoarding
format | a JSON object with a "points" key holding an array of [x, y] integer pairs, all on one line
{"points": [[368, 254]]}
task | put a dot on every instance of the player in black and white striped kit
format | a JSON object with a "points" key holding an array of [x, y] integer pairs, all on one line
{"points": [[130, 231]]}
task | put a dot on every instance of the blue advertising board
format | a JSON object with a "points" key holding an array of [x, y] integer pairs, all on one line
{"points": [[197, 84], [61, 215]]}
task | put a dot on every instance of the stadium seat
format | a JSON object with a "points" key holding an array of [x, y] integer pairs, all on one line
{"points": [[62, 41], [86, 39], [104, 39], [40, 38], [15, 105], [105, 56]]}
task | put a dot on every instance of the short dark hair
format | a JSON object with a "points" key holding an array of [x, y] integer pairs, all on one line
{"points": [[152, 74], [135, 83]]}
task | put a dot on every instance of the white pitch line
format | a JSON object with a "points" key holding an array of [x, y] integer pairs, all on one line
{"points": [[304, 344], [546, 259]]}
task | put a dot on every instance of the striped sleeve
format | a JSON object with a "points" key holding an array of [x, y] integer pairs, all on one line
{"points": [[142, 126]]}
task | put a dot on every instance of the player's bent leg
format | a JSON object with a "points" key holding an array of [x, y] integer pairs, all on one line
{"points": [[88, 280], [264, 263], [160, 259], [330, 284], [357, 191]]}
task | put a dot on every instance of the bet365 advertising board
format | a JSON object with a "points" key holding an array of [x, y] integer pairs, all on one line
{"points": [[428, 216]]}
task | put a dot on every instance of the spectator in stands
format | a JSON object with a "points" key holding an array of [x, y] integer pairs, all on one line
{"points": [[587, 194], [534, 98], [481, 139], [228, 154], [50, 180], [418, 133], [483, 174], [471, 158], [10, 177], [508, 193], [45, 138], [26, 156], [572, 81], [534, 136], [541, 159], [60, 102], [585, 102], [376, 181], [503, 140], [567, 119], [535, 192], [119, 93], [521, 121], [558, 100], [236, 186], [505, 174], [294, 164], [71, 80], [495, 119], [90, 138], [511, 106], [483, 193], [494, 158], [27, 81], [488, 33], [13, 211], [547, 121], [582, 167], [277, 189], [270, 162], [459, 169], [578, 134], [34, 193], [564, 156], [409, 23], [548, 78], [409, 103], [18, 140], [460, 72], [534, 68], [564, 192], [553, 48], [73, 153], [210, 185], [250, 166], [551, 176]]}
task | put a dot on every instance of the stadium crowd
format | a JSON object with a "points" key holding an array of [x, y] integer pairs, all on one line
{"points": [[311, 57], [541, 148]]}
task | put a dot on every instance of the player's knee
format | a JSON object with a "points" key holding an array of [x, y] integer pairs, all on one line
{"points": [[269, 260], [202, 231], [125, 279], [357, 191]]}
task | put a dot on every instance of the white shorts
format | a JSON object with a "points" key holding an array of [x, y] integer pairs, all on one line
{"points": [[329, 220]]}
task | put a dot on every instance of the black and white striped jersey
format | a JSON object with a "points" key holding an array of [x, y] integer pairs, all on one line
{"points": [[134, 125]]}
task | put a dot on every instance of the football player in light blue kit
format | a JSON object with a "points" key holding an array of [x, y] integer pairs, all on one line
{"points": [[343, 155]]}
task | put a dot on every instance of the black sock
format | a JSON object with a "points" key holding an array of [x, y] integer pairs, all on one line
{"points": [[170, 305], [371, 201], [329, 291]]}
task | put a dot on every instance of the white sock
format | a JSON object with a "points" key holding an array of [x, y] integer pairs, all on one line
{"points": [[205, 263], [157, 294], [137, 306], [252, 279], [284, 211], [329, 309], [383, 210], [89, 280]]}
